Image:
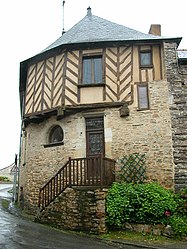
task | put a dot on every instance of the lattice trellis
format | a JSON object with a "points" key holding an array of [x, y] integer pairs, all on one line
{"points": [[133, 168]]}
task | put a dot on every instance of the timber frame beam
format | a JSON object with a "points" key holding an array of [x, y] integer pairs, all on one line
{"points": [[63, 111]]}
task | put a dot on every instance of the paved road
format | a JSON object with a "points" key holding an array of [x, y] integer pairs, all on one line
{"points": [[17, 233], [3, 190]]}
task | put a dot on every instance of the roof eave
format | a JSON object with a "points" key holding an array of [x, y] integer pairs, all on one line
{"points": [[53, 51], [182, 59]]}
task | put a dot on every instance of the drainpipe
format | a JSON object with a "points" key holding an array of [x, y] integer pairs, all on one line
{"points": [[20, 141]]}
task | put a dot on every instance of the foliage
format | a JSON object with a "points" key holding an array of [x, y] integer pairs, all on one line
{"points": [[182, 204], [139, 203], [179, 225], [118, 205], [133, 168], [4, 179], [183, 192], [5, 203]]}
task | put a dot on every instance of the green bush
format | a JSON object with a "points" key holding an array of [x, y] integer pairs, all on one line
{"points": [[182, 205], [118, 205], [179, 225], [183, 192], [139, 203], [4, 179]]}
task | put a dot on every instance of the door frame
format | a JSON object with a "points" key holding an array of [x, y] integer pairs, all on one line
{"points": [[93, 170], [95, 130]]}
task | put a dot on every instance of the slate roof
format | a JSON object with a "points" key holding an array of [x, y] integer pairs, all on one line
{"points": [[96, 29]]}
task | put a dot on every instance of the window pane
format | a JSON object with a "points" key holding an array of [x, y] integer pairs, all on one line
{"points": [[56, 135], [87, 76], [92, 70], [143, 97], [145, 59], [97, 70], [94, 123]]}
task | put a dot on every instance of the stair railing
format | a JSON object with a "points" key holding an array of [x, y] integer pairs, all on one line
{"points": [[89, 171]]}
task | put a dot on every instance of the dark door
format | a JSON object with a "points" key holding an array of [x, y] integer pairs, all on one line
{"points": [[94, 145], [94, 136]]}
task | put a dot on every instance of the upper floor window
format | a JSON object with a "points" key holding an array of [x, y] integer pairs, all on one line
{"points": [[56, 134], [143, 98], [92, 70], [146, 58]]}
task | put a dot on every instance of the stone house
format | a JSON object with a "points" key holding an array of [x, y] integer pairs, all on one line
{"points": [[99, 92], [6, 172]]}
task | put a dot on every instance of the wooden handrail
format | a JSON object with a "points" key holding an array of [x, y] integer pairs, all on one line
{"points": [[89, 171]]}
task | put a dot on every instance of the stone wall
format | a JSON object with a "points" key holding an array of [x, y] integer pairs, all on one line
{"points": [[177, 79], [39, 164], [147, 132], [77, 209]]}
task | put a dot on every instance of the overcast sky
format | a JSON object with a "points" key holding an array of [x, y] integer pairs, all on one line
{"points": [[29, 26]]}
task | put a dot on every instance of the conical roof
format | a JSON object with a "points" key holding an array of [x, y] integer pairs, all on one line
{"points": [[96, 29]]}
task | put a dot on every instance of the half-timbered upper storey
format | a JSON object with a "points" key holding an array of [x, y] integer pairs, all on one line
{"points": [[95, 62]]}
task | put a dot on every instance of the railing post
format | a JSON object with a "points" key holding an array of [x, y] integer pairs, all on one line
{"points": [[69, 171], [39, 200], [102, 171]]}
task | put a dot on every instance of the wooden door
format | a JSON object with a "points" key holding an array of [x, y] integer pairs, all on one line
{"points": [[95, 146], [95, 143]]}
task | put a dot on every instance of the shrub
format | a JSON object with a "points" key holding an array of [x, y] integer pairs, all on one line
{"points": [[118, 205], [4, 179], [179, 225], [155, 204], [182, 205], [183, 192], [139, 203]]}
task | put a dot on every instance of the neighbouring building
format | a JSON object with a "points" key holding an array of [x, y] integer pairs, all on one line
{"points": [[100, 91], [8, 172]]}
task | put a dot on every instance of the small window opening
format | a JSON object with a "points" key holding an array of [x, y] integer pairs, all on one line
{"points": [[143, 99], [56, 134], [145, 59]]}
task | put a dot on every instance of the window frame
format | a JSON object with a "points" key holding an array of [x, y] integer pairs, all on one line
{"points": [[51, 143], [147, 51], [145, 85], [93, 82]]}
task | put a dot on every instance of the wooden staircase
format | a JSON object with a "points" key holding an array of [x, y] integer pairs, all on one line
{"points": [[90, 171]]}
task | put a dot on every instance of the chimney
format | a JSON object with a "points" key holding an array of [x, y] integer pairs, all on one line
{"points": [[155, 29]]}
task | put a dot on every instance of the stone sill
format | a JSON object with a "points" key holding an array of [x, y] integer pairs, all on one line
{"points": [[53, 144], [91, 85]]}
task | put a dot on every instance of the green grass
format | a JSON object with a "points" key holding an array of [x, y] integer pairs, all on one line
{"points": [[138, 237], [5, 203]]}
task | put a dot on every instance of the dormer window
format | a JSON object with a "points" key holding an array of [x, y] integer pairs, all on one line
{"points": [[92, 72], [146, 58]]}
